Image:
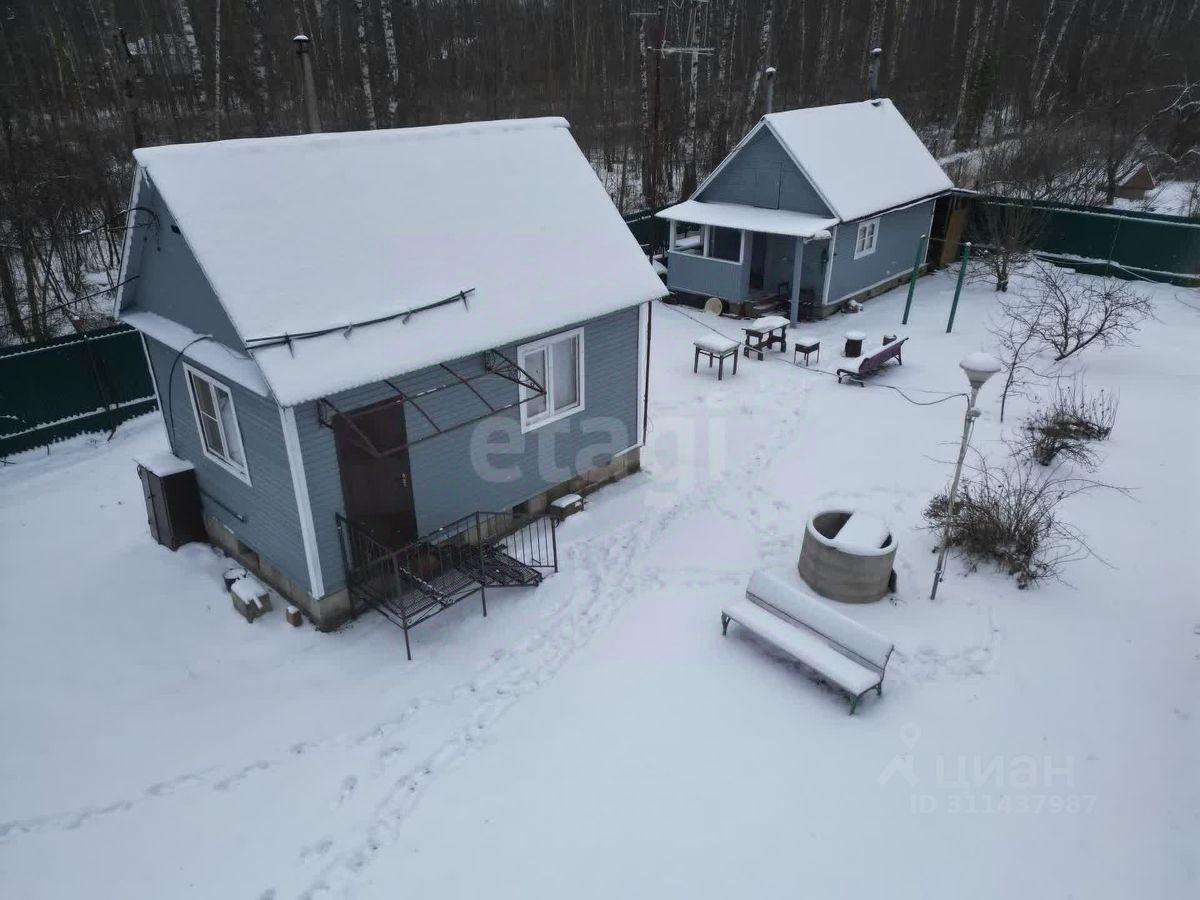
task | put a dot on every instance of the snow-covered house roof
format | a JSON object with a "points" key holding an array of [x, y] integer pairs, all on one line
{"points": [[860, 158], [305, 233]]}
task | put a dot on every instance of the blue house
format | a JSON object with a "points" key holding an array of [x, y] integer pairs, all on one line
{"points": [[371, 342], [812, 209]]}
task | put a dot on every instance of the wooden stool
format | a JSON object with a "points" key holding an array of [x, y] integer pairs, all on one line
{"points": [[806, 344]]}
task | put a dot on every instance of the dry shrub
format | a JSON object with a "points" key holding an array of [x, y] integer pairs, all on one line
{"points": [[1066, 427], [1010, 517]]}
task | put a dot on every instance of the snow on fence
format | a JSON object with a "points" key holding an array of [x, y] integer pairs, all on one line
{"points": [[71, 385]]}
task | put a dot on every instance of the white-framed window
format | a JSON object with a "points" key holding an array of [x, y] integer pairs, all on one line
{"points": [[216, 422], [723, 243], [556, 363], [709, 241], [868, 233]]}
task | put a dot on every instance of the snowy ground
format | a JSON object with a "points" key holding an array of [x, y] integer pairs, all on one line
{"points": [[597, 737], [1172, 198]]}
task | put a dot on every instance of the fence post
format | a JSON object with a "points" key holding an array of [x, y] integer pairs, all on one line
{"points": [[962, 273], [922, 243]]}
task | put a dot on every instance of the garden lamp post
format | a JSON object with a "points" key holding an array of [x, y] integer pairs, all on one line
{"points": [[979, 367]]}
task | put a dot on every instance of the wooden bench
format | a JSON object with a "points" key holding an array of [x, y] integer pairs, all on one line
{"points": [[764, 333], [837, 648], [714, 346], [872, 361]]}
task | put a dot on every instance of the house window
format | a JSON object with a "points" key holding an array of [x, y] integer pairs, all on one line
{"points": [[556, 363], [868, 231], [725, 243], [687, 238], [216, 422]]}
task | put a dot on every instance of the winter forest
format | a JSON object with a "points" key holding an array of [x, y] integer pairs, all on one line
{"points": [[1046, 98]]}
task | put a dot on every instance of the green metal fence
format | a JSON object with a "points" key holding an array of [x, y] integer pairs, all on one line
{"points": [[71, 385], [650, 232], [1122, 242]]}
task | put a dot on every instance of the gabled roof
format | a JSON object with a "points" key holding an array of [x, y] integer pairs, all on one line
{"points": [[306, 233], [861, 158]]}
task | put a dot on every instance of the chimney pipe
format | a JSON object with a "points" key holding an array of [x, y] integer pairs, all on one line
{"points": [[310, 87], [770, 89], [873, 77]]}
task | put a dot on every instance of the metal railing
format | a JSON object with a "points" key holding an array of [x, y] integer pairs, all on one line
{"points": [[408, 585]]}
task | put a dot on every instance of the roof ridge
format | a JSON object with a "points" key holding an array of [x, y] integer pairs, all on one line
{"points": [[382, 135]]}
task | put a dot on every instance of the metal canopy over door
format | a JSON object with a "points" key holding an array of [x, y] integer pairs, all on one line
{"points": [[377, 488]]}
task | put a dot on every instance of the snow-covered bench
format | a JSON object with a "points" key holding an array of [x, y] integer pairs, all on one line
{"points": [[872, 361], [834, 646]]}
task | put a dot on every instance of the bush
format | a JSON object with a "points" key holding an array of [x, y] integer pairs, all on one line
{"points": [[1066, 426], [1010, 517]]}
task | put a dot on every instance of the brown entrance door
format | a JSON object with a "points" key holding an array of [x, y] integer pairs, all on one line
{"points": [[377, 489]]}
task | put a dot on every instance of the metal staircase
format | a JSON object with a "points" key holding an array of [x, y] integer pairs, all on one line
{"points": [[413, 583]]}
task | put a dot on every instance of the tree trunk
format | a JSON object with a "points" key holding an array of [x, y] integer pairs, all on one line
{"points": [[364, 64], [761, 59], [216, 114], [393, 59], [189, 39]]}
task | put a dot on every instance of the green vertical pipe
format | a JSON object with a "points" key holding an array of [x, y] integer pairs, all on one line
{"points": [[912, 283], [962, 273]]}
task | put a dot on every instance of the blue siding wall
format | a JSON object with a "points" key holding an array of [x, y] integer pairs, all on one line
{"points": [[170, 280], [708, 277], [895, 248], [269, 522], [486, 465], [762, 174]]}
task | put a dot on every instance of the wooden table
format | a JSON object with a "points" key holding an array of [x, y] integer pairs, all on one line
{"points": [[764, 333], [716, 347]]}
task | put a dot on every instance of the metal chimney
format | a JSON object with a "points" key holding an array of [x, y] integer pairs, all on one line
{"points": [[770, 73], [873, 77], [310, 87]]}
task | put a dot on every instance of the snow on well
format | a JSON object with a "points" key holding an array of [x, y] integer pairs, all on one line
{"points": [[861, 157], [310, 232]]}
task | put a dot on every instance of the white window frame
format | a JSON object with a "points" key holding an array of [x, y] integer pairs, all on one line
{"points": [[867, 238], [240, 471], [532, 423], [708, 238]]}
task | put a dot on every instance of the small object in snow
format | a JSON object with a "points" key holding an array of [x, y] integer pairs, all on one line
{"points": [[854, 343], [888, 338], [852, 306], [235, 574], [293, 616], [714, 305], [250, 598], [566, 505]]}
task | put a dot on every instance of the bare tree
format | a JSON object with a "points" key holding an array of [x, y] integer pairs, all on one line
{"points": [[1074, 313], [1004, 237]]}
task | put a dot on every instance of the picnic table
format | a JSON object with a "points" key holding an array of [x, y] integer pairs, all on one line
{"points": [[764, 333]]}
